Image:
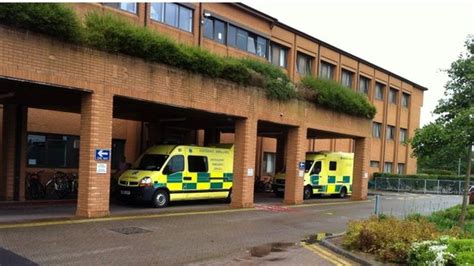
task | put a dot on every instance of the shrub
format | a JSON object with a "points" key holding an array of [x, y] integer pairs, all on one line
{"points": [[421, 176], [388, 238], [334, 96], [463, 249], [431, 253], [56, 20], [448, 220], [436, 172]]}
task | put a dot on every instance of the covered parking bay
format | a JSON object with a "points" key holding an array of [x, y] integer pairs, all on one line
{"points": [[102, 86]]}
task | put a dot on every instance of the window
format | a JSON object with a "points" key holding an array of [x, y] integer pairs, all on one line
{"points": [[376, 130], [269, 163], [51, 150], [332, 166], [364, 84], [387, 167], [401, 169], [405, 100], [278, 55], [390, 132], [303, 64], [197, 164], [374, 164], [403, 136], [317, 168], [126, 6], [219, 31], [228, 34], [151, 162], [175, 164], [326, 70], [174, 15], [379, 89], [392, 96], [346, 78], [209, 28]]}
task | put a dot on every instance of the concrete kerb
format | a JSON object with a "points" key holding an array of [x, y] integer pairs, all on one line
{"points": [[327, 244]]}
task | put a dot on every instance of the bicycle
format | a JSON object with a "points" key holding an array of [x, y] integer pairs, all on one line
{"points": [[263, 184], [34, 187], [58, 185]]}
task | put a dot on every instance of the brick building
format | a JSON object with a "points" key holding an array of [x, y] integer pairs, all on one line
{"points": [[60, 102]]}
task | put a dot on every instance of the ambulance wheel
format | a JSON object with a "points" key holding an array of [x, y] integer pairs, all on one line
{"points": [[308, 192], [343, 192], [161, 198]]}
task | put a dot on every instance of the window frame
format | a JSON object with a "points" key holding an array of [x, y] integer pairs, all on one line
{"points": [[378, 86], [110, 4], [206, 162], [385, 167], [178, 20], [307, 62], [281, 49], [405, 100], [69, 152], [332, 163], [375, 164], [392, 134], [379, 127], [398, 169], [351, 77], [394, 99], [332, 69], [403, 136], [364, 78]]}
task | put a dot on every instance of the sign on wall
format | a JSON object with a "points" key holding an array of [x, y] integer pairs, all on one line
{"points": [[102, 154]]}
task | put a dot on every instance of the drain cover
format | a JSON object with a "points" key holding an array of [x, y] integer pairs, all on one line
{"points": [[130, 230]]}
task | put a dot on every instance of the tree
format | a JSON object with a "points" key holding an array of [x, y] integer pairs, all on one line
{"points": [[453, 131]]}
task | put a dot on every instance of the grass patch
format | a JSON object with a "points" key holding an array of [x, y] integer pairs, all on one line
{"points": [[448, 219], [56, 20], [334, 96]]}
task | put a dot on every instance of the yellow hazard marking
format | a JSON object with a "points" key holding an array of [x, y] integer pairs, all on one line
{"points": [[157, 215], [326, 254]]}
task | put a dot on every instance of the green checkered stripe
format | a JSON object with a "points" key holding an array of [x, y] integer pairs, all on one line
{"points": [[215, 182]]}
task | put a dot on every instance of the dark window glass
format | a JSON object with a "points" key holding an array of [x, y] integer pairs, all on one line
{"points": [[346, 78], [317, 168], [303, 64], [242, 39], [171, 14], [232, 36], [152, 162], [197, 164], [219, 31], [326, 70], [390, 132], [208, 28], [127, 6], [185, 19], [332, 166], [156, 11], [405, 100], [51, 150], [403, 136], [174, 165], [392, 96], [379, 89], [364, 84], [401, 168], [307, 165], [376, 130], [262, 47], [278, 55]]}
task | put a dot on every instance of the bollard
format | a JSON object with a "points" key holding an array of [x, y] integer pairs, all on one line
{"points": [[377, 205]]}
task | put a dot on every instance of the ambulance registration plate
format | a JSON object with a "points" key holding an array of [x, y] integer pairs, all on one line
{"points": [[124, 192]]}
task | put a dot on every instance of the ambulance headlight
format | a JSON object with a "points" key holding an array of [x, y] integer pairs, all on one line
{"points": [[145, 182]]}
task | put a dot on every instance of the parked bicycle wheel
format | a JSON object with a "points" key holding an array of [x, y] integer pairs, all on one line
{"points": [[58, 186], [34, 186]]}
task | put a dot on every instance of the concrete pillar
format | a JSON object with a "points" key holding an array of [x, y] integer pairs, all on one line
{"points": [[96, 133], [14, 130], [244, 163], [361, 165], [294, 177]]}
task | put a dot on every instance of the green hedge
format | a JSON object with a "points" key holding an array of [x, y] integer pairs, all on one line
{"points": [[333, 95], [421, 176], [56, 20]]}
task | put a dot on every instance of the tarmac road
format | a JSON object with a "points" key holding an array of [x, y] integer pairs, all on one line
{"points": [[216, 237]]}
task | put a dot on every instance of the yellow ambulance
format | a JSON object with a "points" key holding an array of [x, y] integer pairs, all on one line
{"points": [[167, 173], [325, 173]]}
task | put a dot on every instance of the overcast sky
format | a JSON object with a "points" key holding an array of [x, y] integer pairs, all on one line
{"points": [[414, 39]]}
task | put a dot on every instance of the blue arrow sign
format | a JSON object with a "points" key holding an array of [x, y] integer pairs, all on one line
{"points": [[102, 154], [301, 165]]}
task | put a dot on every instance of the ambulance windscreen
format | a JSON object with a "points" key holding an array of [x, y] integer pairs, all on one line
{"points": [[151, 162]]}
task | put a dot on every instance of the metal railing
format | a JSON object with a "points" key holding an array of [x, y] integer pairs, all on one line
{"points": [[415, 185]]}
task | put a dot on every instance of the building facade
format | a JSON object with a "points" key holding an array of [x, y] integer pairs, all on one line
{"points": [[229, 29]]}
